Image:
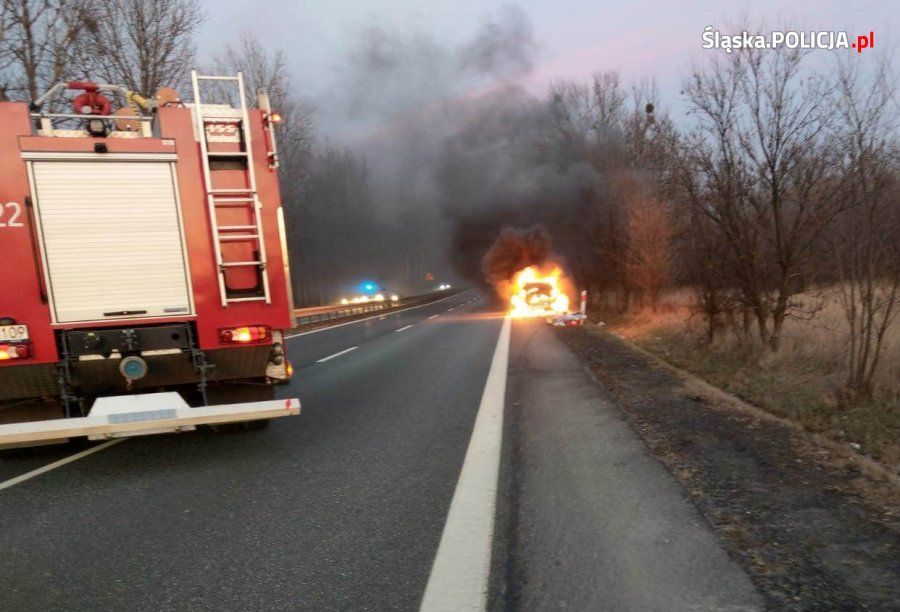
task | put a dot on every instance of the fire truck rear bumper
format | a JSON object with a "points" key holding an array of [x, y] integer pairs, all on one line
{"points": [[136, 415]]}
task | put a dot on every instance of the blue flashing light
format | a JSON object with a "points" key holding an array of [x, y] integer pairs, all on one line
{"points": [[368, 287]]}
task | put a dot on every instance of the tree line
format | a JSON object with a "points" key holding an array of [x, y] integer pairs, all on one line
{"points": [[781, 181]]}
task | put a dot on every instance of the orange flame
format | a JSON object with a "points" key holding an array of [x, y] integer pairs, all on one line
{"points": [[536, 295]]}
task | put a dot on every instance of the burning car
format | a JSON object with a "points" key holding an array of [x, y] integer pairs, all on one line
{"points": [[538, 295]]}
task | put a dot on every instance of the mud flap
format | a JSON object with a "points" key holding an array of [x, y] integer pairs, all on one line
{"points": [[144, 414]]}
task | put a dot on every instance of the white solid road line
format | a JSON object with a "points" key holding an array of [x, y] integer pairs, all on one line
{"points": [[338, 354], [402, 329], [321, 329], [52, 466], [433, 316], [459, 576]]}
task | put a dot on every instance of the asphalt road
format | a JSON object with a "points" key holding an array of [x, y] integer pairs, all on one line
{"points": [[340, 508], [344, 507]]}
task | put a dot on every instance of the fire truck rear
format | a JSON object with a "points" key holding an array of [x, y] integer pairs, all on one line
{"points": [[145, 273]]}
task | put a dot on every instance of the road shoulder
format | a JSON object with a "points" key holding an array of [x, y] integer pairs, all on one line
{"points": [[792, 513], [598, 522]]}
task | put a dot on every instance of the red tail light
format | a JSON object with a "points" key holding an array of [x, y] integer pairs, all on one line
{"points": [[14, 351], [246, 335]]}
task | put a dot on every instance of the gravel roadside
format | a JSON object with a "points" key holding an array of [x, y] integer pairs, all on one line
{"points": [[812, 531]]}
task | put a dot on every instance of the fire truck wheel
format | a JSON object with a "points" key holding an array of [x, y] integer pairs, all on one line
{"points": [[255, 425], [226, 428], [236, 392]]}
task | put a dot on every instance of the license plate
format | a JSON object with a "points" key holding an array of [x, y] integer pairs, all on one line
{"points": [[13, 332]]}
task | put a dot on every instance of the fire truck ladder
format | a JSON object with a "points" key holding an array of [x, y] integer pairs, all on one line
{"points": [[246, 197]]}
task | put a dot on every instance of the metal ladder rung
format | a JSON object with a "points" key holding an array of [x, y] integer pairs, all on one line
{"points": [[232, 204], [221, 119], [246, 299], [227, 154], [239, 238], [239, 264], [220, 201], [235, 228], [201, 77], [235, 190]]}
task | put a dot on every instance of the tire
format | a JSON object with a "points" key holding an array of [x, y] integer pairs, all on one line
{"points": [[257, 425], [235, 393]]}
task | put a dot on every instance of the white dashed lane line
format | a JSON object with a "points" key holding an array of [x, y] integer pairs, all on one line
{"points": [[354, 322], [338, 354], [433, 316], [402, 329]]}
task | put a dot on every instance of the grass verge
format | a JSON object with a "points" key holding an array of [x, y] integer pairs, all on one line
{"points": [[801, 382]]}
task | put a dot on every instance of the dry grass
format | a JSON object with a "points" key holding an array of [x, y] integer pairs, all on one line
{"points": [[801, 381]]}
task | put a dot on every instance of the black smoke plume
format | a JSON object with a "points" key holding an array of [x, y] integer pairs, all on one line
{"points": [[458, 147], [513, 250]]}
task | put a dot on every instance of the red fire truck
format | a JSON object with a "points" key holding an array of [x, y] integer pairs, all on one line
{"points": [[145, 272]]}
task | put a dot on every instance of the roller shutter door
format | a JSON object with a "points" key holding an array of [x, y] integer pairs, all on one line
{"points": [[112, 239]]}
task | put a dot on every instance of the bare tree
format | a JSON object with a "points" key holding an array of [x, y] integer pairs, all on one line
{"points": [[867, 237], [649, 252], [609, 101], [38, 44], [261, 69], [618, 140], [269, 70], [144, 44], [713, 183], [650, 136], [758, 166], [785, 143]]}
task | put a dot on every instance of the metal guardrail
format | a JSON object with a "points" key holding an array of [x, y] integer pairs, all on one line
{"points": [[322, 314]]}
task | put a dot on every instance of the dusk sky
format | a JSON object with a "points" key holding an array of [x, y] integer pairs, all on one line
{"points": [[574, 38]]}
